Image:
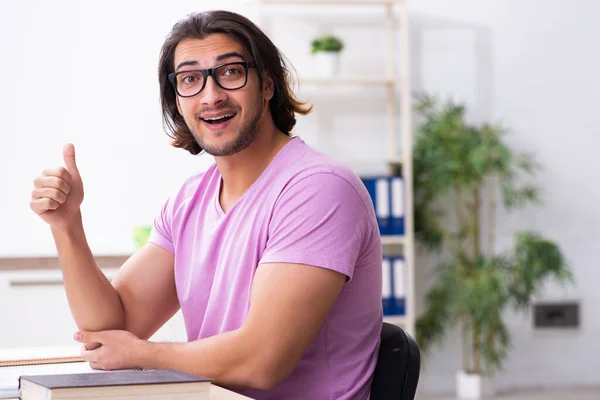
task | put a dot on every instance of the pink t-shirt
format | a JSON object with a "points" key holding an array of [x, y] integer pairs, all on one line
{"points": [[304, 208]]}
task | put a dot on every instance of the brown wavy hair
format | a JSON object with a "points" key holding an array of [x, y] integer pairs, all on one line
{"points": [[269, 62]]}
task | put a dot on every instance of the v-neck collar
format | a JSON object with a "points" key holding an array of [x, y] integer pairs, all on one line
{"points": [[216, 201]]}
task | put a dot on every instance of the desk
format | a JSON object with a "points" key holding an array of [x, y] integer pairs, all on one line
{"points": [[9, 378], [216, 393]]}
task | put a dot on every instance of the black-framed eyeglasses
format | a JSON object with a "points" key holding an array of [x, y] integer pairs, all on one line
{"points": [[230, 76]]}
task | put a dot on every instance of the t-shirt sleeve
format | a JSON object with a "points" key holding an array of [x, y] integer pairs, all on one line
{"points": [[161, 230], [321, 221]]}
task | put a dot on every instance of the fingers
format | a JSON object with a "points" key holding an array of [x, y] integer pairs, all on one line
{"points": [[85, 352], [92, 345], [59, 172], [40, 206], [55, 187], [90, 352], [87, 355], [96, 366], [90, 356], [53, 181], [49, 193]]}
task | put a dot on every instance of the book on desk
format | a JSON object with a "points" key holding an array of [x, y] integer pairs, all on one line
{"points": [[144, 384]]}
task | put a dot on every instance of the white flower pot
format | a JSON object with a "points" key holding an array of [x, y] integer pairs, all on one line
{"points": [[326, 64], [473, 386]]}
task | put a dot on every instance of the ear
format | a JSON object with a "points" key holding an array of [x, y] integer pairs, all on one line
{"points": [[268, 88]]}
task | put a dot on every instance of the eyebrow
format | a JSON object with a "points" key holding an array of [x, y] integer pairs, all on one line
{"points": [[219, 58], [231, 54], [186, 63]]}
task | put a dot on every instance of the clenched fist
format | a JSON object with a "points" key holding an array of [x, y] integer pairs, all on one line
{"points": [[58, 192]]}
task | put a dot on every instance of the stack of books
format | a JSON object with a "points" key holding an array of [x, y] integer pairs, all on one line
{"points": [[54, 373]]}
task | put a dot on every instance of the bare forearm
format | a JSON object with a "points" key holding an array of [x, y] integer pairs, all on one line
{"points": [[227, 358], [94, 302]]}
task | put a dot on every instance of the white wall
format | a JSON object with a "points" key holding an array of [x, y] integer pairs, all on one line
{"points": [[86, 72]]}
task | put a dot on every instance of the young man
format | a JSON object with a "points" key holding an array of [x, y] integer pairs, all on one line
{"points": [[273, 254]]}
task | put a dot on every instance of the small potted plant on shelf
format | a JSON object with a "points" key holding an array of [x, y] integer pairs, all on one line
{"points": [[325, 51], [461, 169]]}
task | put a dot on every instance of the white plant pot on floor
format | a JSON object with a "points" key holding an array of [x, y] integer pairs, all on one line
{"points": [[473, 386], [326, 64]]}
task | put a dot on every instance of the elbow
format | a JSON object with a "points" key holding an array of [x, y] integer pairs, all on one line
{"points": [[269, 374], [262, 366], [263, 382]]}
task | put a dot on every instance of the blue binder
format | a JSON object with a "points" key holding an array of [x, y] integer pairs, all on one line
{"points": [[379, 191], [386, 285], [398, 303], [397, 205]]}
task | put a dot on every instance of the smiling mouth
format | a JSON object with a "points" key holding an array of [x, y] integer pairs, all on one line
{"points": [[220, 119]]}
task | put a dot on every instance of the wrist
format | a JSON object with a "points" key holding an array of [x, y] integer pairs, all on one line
{"points": [[71, 227], [141, 351], [147, 354]]}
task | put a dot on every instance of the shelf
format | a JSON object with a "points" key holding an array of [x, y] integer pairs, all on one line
{"points": [[395, 319], [394, 88], [369, 161], [392, 239], [347, 81], [334, 2]]}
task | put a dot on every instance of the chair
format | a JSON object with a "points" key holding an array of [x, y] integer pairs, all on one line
{"points": [[398, 365]]}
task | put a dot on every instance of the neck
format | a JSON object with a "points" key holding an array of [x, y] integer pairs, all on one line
{"points": [[239, 171]]}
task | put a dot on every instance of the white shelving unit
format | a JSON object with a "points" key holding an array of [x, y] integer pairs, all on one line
{"points": [[348, 81], [393, 240], [395, 84]]}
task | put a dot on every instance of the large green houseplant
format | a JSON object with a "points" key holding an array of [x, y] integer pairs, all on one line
{"points": [[466, 172]]}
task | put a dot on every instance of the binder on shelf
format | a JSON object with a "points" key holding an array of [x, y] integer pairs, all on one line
{"points": [[379, 191], [386, 285], [398, 306], [397, 205]]}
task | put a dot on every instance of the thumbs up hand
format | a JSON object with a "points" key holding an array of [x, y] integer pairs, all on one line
{"points": [[58, 193]]}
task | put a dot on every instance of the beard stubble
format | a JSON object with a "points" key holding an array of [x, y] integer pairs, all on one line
{"points": [[246, 135]]}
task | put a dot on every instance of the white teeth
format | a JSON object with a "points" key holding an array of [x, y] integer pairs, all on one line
{"points": [[221, 117]]}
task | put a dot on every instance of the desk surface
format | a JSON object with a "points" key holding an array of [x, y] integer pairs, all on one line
{"points": [[9, 378], [216, 393]]}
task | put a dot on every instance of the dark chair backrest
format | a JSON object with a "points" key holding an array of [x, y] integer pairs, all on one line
{"points": [[398, 365]]}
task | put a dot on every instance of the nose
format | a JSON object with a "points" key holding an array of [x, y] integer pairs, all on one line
{"points": [[212, 94]]}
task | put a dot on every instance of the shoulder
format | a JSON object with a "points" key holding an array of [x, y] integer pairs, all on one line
{"points": [[322, 214], [305, 167]]}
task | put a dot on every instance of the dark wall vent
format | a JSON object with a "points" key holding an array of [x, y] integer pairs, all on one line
{"points": [[556, 315]]}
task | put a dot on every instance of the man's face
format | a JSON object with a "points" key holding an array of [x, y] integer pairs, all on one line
{"points": [[223, 122]]}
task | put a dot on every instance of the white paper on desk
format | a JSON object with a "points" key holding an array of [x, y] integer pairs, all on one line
{"points": [[9, 376]]}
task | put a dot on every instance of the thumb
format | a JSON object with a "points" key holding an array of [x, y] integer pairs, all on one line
{"points": [[69, 157]]}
